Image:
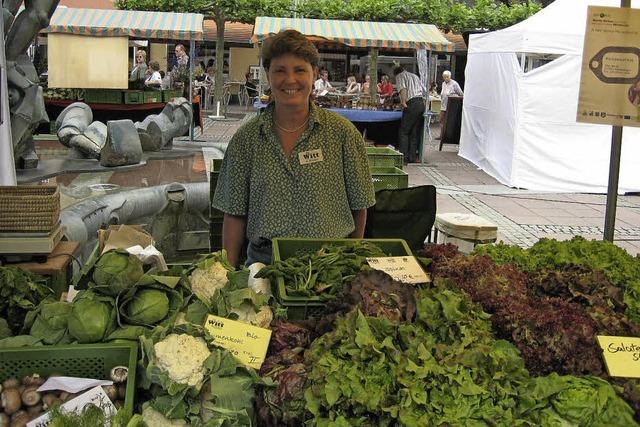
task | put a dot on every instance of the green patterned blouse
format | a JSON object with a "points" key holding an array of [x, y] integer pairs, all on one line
{"points": [[309, 194]]}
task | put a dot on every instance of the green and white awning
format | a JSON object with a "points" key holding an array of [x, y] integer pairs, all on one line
{"points": [[358, 33], [131, 23]]}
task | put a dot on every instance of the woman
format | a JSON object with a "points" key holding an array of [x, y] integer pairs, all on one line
{"points": [[139, 73], [295, 170], [385, 89], [352, 85], [367, 84], [155, 79]]}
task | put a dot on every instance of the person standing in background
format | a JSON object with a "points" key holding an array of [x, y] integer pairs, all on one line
{"points": [[139, 73], [450, 87], [411, 93], [154, 80]]}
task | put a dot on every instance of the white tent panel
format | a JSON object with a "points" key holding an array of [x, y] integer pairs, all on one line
{"points": [[521, 127]]}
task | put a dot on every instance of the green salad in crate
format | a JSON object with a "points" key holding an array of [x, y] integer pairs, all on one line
{"points": [[322, 272]]}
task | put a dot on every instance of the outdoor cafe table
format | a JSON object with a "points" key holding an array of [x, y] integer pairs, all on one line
{"points": [[381, 126]]}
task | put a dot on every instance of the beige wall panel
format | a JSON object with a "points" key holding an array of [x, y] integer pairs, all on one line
{"points": [[88, 62], [158, 52], [239, 61]]}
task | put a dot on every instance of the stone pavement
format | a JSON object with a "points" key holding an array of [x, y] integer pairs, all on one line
{"points": [[522, 216]]}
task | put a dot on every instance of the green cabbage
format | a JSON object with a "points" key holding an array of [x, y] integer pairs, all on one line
{"points": [[147, 307], [50, 322], [92, 318], [116, 271]]}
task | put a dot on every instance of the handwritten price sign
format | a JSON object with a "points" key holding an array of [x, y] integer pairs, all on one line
{"points": [[621, 355], [247, 343], [402, 268]]}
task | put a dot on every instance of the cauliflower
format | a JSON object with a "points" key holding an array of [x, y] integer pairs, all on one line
{"points": [[151, 417], [247, 314], [182, 356], [205, 281]]}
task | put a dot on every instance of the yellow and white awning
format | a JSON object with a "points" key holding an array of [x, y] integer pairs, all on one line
{"points": [[358, 33], [132, 23]]}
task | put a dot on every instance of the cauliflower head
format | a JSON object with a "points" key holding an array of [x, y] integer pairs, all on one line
{"points": [[205, 281], [182, 357], [247, 314], [151, 417]]}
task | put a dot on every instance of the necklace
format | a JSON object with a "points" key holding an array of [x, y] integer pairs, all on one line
{"points": [[284, 129]]}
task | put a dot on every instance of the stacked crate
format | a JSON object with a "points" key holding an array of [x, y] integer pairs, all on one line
{"points": [[215, 215], [386, 168]]}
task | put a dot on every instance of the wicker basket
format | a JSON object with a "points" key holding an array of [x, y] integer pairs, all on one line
{"points": [[29, 208]]}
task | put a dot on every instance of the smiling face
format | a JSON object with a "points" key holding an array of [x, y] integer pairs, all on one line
{"points": [[291, 79]]}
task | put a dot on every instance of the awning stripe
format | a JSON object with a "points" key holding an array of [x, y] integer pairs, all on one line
{"points": [[132, 23], [358, 33]]}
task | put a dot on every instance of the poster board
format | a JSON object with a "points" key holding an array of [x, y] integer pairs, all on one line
{"points": [[88, 62], [610, 76]]}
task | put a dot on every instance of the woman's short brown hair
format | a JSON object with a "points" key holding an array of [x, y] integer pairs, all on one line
{"points": [[289, 41]]}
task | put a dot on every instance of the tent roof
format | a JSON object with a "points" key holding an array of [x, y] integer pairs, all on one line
{"points": [[358, 33], [234, 32], [557, 29], [141, 24]]}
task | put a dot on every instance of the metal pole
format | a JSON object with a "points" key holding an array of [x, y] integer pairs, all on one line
{"points": [[614, 173], [192, 58]]}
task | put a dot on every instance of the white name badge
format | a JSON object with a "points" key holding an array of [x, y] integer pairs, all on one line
{"points": [[311, 156]]}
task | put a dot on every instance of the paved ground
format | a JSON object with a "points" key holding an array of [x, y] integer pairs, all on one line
{"points": [[522, 216]]}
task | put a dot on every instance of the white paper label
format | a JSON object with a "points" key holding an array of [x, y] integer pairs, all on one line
{"points": [[402, 268], [96, 396], [311, 156]]}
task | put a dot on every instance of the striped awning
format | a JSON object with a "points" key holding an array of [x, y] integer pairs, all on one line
{"points": [[358, 33], [132, 23]]}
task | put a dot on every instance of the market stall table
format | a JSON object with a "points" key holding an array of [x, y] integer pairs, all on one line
{"points": [[381, 126]]}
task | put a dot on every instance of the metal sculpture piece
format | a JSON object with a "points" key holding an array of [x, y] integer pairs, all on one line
{"points": [[90, 139], [26, 101]]}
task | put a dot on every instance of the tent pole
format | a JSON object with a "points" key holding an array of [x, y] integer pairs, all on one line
{"points": [[373, 72], [192, 56], [614, 173]]}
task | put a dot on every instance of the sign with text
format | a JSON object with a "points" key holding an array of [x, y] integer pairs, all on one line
{"points": [[610, 77], [402, 268], [621, 355], [246, 342]]}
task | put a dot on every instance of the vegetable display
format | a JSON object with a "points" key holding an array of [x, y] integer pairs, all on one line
{"points": [[324, 272], [504, 337]]}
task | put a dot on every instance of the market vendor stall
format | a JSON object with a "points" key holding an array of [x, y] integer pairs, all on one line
{"points": [[76, 34]]}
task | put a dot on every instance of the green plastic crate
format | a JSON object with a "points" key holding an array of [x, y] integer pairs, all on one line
{"points": [[152, 96], [80, 360], [384, 157], [103, 96], [133, 96], [389, 178], [300, 307], [169, 94]]}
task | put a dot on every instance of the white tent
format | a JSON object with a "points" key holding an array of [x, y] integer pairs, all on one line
{"points": [[519, 124]]}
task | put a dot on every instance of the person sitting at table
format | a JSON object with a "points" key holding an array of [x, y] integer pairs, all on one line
{"points": [[139, 73], [385, 89], [352, 85], [210, 77], [366, 85], [155, 79], [322, 84], [295, 170]]}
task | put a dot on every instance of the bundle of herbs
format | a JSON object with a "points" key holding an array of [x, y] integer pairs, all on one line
{"points": [[324, 272], [20, 292]]}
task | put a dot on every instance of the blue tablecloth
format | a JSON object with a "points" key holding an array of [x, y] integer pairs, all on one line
{"points": [[355, 115]]}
